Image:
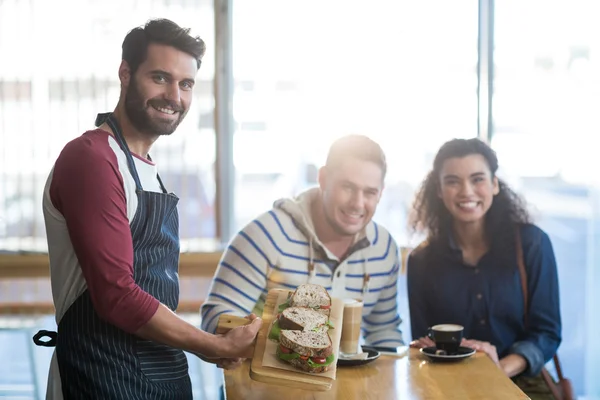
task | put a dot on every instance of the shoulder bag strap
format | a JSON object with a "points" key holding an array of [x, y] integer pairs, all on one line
{"points": [[523, 273]]}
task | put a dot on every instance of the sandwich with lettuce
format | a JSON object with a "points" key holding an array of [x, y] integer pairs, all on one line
{"points": [[309, 351], [306, 309]]}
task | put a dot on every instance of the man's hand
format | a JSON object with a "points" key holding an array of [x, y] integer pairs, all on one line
{"points": [[422, 343], [235, 346], [225, 363], [230, 363], [484, 347], [239, 342]]}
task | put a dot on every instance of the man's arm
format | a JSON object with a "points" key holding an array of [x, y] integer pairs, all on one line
{"points": [[382, 325], [166, 327], [240, 278], [87, 189]]}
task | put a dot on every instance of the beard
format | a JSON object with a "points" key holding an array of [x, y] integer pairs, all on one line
{"points": [[137, 111]]}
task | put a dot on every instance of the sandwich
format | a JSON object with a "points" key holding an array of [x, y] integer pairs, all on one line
{"points": [[299, 319], [311, 296], [306, 350], [307, 308]]}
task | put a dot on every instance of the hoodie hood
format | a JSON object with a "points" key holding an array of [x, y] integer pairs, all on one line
{"points": [[299, 209]]}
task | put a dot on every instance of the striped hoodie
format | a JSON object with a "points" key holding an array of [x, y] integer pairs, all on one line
{"points": [[280, 249]]}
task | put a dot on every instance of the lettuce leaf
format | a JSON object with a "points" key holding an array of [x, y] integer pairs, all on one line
{"points": [[288, 357], [283, 306], [318, 328], [293, 356], [275, 331], [328, 361]]}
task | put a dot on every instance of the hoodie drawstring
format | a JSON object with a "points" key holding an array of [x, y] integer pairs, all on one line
{"points": [[311, 261], [366, 279]]}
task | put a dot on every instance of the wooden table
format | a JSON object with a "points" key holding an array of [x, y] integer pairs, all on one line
{"points": [[410, 377]]}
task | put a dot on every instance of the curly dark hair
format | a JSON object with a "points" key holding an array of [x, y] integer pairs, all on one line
{"points": [[429, 214]]}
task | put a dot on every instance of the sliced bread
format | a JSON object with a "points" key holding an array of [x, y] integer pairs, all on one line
{"points": [[307, 343], [312, 296], [302, 318]]}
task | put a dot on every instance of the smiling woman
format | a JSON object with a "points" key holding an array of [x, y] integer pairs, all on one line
{"points": [[467, 271], [463, 191], [467, 188]]}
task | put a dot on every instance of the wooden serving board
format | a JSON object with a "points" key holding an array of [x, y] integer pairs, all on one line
{"points": [[271, 375], [227, 322]]}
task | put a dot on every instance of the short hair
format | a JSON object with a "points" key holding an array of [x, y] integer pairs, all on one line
{"points": [[355, 146], [161, 31]]}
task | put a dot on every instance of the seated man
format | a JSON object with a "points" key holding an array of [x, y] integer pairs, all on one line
{"points": [[323, 236]]}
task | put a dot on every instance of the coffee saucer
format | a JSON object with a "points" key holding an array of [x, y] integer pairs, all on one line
{"points": [[463, 352], [371, 355]]}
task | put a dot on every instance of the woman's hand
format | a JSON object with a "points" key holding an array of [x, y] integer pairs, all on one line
{"points": [[484, 347], [513, 364], [422, 343]]}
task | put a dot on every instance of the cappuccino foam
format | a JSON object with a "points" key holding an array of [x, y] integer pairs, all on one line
{"points": [[447, 328]]}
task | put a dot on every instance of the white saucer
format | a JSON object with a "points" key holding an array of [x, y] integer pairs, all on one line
{"points": [[371, 356]]}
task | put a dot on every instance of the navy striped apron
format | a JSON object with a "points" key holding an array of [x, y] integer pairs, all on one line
{"points": [[100, 361]]}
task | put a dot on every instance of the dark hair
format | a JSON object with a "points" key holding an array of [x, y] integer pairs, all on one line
{"points": [[355, 146], [430, 215], [161, 31]]}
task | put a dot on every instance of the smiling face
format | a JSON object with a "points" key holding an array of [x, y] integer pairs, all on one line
{"points": [[351, 193], [158, 95], [467, 187]]}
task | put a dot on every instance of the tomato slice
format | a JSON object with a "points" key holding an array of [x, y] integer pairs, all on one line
{"points": [[319, 360], [326, 307], [284, 350]]}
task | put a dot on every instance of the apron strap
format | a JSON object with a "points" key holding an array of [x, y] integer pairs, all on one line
{"points": [[162, 187], [112, 122]]}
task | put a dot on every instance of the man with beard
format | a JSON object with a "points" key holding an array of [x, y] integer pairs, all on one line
{"points": [[323, 236], [113, 240]]}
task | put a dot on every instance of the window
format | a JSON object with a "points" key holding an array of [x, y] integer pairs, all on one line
{"points": [[545, 107], [59, 74], [389, 69], [392, 70]]}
